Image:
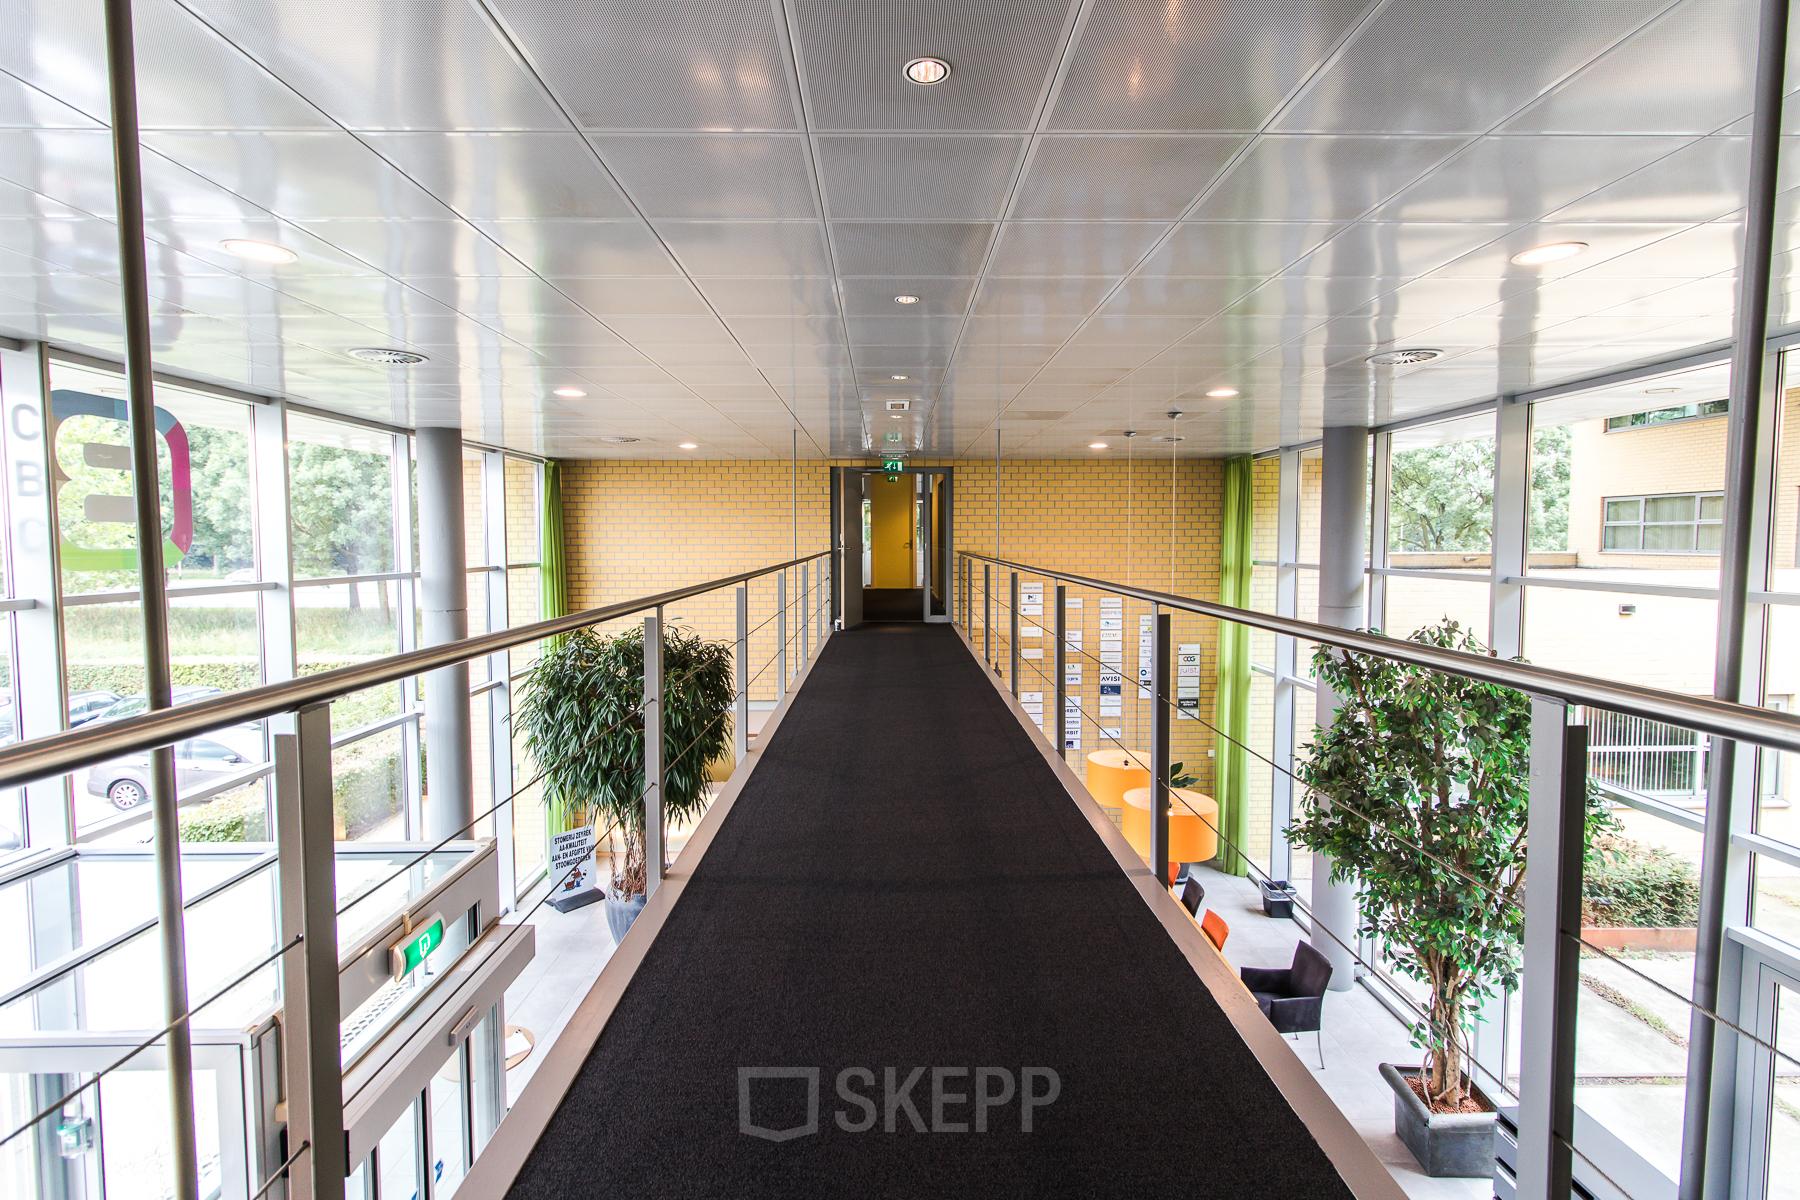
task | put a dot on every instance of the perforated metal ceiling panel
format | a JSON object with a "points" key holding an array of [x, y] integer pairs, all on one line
{"points": [[1000, 54], [705, 208], [917, 178], [1147, 64], [658, 64]]}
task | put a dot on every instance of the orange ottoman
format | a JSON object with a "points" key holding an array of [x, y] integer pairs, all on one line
{"points": [[1110, 774], [1193, 821]]}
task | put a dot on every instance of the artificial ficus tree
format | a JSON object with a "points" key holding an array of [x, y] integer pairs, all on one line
{"points": [[583, 721], [1420, 760]]}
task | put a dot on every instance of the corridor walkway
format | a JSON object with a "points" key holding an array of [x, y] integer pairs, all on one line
{"points": [[903, 883]]}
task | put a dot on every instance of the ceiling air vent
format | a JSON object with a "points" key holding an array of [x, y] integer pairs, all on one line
{"points": [[898, 405], [1403, 358], [386, 356]]}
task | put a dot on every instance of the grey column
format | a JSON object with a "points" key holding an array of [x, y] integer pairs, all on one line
{"points": [[443, 608], [1343, 522]]}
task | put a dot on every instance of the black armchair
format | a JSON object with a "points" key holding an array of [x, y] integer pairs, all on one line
{"points": [[1293, 997], [1192, 897]]}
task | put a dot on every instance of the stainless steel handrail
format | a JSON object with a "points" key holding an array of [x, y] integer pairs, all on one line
{"points": [[1764, 727], [63, 752]]}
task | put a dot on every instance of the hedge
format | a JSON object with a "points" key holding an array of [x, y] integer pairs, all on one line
{"points": [[1627, 883]]}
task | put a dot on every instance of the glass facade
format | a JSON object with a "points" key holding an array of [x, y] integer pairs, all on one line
{"points": [[1618, 503]]}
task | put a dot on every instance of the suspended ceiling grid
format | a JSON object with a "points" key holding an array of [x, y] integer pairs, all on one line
{"points": [[699, 212]]}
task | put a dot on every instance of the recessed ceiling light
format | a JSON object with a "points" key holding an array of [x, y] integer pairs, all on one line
{"points": [[1660, 391], [251, 250], [690, 445], [1096, 445], [896, 416], [927, 71], [899, 378], [1549, 252], [1403, 358], [387, 356], [569, 393], [1221, 393], [906, 299]]}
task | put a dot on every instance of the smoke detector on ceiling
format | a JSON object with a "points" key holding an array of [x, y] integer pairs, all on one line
{"points": [[1403, 358], [387, 357]]}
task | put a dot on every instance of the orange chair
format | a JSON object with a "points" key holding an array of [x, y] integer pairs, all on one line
{"points": [[1215, 929]]}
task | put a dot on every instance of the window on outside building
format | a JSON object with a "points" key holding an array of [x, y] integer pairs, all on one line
{"points": [[1662, 416], [1682, 523]]}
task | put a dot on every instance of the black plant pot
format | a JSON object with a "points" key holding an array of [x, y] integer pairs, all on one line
{"points": [[1277, 898], [1447, 1145]]}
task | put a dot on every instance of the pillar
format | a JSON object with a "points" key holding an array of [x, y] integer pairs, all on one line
{"points": [[444, 617], [1343, 537]]}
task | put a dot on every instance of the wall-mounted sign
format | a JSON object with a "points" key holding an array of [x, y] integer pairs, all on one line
{"points": [[416, 946]]}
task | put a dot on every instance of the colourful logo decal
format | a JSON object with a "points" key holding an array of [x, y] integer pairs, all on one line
{"points": [[116, 508]]}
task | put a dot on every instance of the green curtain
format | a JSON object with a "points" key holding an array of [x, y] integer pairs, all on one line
{"points": [[1232, 714], [553, 591]]}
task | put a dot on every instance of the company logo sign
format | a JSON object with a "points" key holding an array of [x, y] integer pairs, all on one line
{"points": [[109, 468], [779, 1104]]}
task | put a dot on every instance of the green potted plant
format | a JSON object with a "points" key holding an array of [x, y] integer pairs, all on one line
{"points": [[1423, 760], [584, 727]]}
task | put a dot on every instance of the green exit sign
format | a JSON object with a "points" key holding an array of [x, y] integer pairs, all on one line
{"points": [[892, 464], [417, 946]]}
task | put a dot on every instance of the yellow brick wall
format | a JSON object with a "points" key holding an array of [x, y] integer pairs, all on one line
{"points": [[639, 527], [635, 528]]}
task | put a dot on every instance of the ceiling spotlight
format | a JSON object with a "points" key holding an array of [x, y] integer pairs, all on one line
{"points": [[1403, 358], [906, 299], [690, 445], [251, 250], [927, 71], [568, 393], [1550, 252], [896, 416], [387, 356], [1221, 393], [899, 378], [1096, 445]]}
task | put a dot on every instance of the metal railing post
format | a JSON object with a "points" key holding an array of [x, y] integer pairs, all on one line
{"points": [[987, 603], [1555, 837], [653, 752], [805, 615], [822, 610], [1160, 693], [307, 881], [1062, 668], [781, 616], [740, 721], [1014, 641], [128, 192]]}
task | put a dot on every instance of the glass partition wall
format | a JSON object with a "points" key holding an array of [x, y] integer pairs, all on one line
{"points": [[1616, 495]]}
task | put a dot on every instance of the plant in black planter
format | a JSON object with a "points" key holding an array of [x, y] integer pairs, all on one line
{"points": [[1423, 759], [584, 727]]}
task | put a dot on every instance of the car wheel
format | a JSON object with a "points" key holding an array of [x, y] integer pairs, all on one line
{"points": [[126, 794]]}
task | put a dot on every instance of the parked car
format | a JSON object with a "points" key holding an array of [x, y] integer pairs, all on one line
{"points": [[125, 781], [86, 706], [131, 706]]}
